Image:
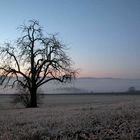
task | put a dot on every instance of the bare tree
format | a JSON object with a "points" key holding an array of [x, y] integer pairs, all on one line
{"points": [[33, 60]]}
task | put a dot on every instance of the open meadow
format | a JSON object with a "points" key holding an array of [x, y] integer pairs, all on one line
{"points": [[72, 117]]}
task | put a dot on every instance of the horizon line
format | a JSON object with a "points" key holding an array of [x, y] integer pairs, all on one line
{"points": [[92, 77]]}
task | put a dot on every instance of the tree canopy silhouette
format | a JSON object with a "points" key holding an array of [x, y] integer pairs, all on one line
{"points": [[33, 60]]}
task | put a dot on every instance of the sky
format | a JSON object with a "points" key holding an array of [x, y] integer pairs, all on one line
{"points": [[103, 35]]}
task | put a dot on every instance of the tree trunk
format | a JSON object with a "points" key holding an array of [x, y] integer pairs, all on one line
{"points": [[33, 100], [33, 91]]}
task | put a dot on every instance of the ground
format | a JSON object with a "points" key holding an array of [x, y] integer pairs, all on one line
{"points": [[72, 117]]}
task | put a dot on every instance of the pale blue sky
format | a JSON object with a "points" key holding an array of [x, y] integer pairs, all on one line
{"points": [[103, 35]]}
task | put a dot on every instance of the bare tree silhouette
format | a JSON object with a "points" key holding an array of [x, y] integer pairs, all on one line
{"points": [[33, 60]]}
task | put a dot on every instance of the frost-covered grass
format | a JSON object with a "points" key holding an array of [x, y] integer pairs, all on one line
{"points": [[110, 118]]}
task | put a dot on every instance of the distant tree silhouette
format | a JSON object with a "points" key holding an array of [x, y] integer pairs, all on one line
{"points": [[33, 60], [131, 89]]}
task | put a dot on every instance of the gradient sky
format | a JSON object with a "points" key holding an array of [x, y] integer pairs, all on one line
{"points": [[103, 35]]}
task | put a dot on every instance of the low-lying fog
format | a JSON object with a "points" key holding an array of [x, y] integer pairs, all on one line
{"points": [[81, 85]]}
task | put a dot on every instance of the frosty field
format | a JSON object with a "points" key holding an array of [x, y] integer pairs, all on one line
{"points": [[72, 117]]}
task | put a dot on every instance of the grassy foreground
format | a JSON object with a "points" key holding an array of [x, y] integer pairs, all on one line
{"points": [[114, 119]]}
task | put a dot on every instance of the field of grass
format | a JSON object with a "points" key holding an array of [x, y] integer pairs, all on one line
{"points": [[72, 117]]}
